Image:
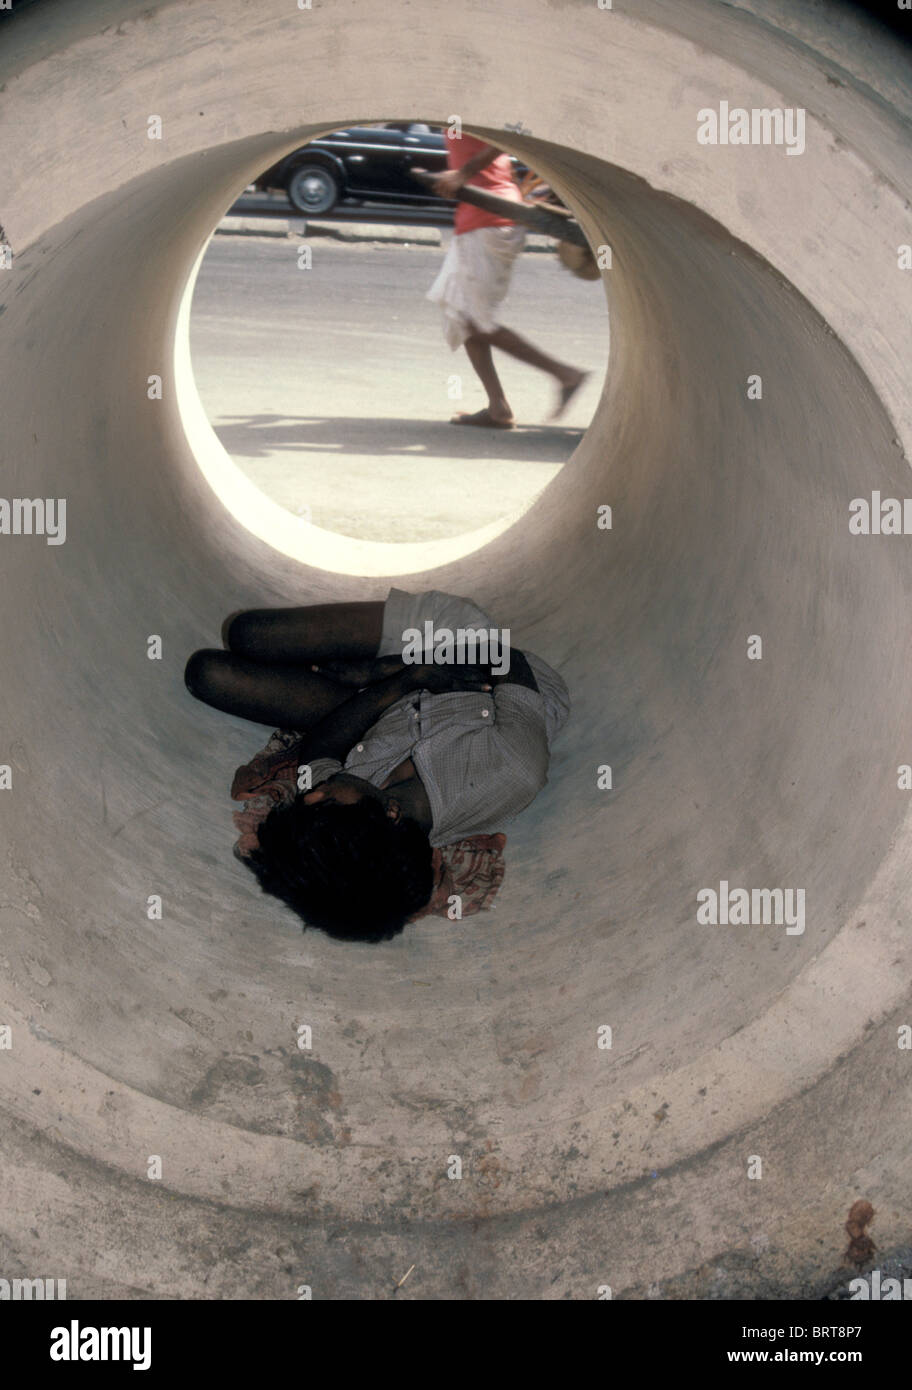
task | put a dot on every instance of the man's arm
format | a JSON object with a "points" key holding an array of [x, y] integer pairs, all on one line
{"points": [[479, 161], [449, 183], [520, 672], [337, 731], [335, 734]]}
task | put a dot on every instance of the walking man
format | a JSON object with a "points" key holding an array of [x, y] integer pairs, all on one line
{"points": [[475, 276]]}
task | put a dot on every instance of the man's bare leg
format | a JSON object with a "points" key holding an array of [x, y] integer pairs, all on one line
{"points": [[568, 378], [265, 676], [320, 632], [283, 696], [478, 347]]}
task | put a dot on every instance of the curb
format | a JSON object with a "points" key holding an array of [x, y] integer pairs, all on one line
{"points": [[352, 232], [375, 231], [337, 231], [259, 226]]}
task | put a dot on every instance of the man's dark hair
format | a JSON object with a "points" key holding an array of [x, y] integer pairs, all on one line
{"points": [[350, 870]]}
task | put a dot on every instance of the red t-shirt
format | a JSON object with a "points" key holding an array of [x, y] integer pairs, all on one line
{"points": [[496, 177]]}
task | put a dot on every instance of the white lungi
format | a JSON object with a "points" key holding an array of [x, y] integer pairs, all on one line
{"points": [[474, 278]]}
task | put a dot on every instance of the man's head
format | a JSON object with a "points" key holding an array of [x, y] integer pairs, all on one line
{"points": [[346, 860]]}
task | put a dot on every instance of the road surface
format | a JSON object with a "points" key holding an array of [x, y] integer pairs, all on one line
{"points": [[330, 387]]}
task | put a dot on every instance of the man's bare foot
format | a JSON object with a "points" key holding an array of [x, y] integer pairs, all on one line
{"points": [[569, 387], [485, 418]]}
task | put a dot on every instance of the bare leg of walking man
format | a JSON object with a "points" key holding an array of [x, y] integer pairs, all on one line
{"points": [[498, 412]]}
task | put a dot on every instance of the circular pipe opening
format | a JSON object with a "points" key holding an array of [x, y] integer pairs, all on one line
{"points": [[298, 535]]}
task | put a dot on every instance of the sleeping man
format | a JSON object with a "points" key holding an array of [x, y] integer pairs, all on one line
{"points": [[409, 743]]}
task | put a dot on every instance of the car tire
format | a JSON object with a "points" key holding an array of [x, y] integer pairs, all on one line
{"points": [[312, 189]]}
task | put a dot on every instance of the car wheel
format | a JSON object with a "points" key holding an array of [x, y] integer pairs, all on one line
{"points": [[312, 189]]}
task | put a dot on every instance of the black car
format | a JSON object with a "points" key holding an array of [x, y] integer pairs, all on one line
{"points": [[369, 163]]}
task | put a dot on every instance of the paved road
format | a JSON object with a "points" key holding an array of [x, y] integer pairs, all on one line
{"points": [[330, 387]]}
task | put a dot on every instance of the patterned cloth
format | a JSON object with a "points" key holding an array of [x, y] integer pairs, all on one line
{"points": [[473, 868], [474, 279]]}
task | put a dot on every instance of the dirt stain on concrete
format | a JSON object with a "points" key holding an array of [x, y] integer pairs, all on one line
{"points": [[861, 1247]]}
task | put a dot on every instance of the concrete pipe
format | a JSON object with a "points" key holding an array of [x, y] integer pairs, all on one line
{"points": [[127, 1039]]}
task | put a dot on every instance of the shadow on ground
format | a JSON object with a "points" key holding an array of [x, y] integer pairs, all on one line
{"points": [[260, 436]]}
